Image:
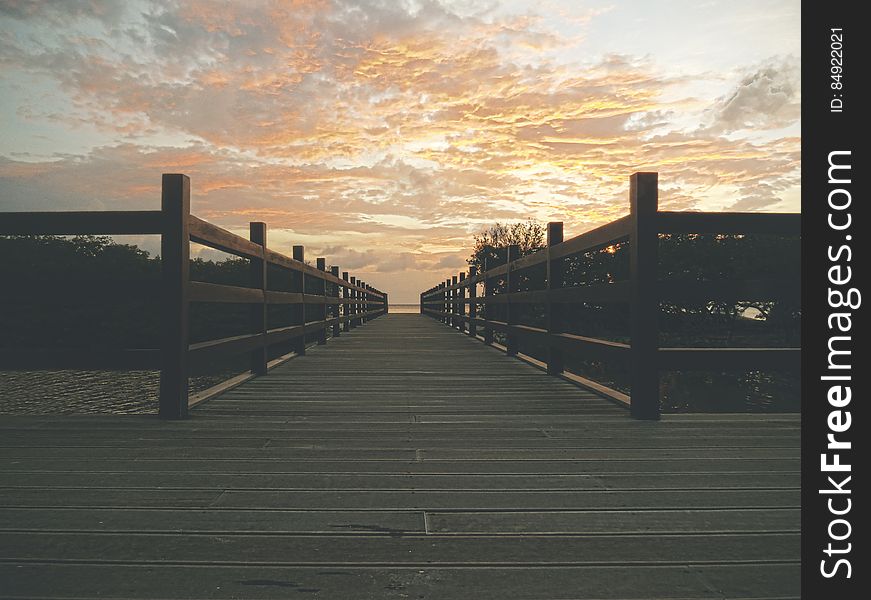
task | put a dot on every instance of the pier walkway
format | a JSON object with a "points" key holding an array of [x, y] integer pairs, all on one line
{"points": [[401, 460]]}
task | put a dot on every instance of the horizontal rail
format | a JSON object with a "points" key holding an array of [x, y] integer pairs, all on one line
{"points": [[590, 344], [729, 290], [728, 223], [598, 292], [113, 222], [576, 342], [199, 291], [235, 344], [220, 293], [667, 290], [45, 292], [729, 359], [52, 359], [594, 239], [207, 234]]}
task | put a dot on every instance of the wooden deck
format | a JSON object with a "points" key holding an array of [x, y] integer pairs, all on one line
{"points": [[401, 460]]}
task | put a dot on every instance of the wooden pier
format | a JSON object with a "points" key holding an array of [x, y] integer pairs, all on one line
{"points": [[401, 460]]}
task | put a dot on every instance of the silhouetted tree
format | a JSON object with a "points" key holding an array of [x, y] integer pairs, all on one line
{"points": [[492, 243]]}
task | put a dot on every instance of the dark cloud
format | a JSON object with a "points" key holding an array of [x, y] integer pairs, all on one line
{"points": [[767, 98], [61, 11]]}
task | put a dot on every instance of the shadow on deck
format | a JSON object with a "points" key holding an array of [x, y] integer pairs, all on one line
{"points": [[401, 461]]}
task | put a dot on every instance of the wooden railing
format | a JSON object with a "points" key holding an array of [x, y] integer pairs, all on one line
{"points": [[642, 291], [339, 303]]}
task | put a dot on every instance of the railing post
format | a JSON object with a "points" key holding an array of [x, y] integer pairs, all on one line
{"points": [[337, 328], [421, 302], [455, 294], [488, 312], [511, 286], [644, 301], [175, 203], [346, 306], [364, 303], [440, 298], [553, 315], [355, 297], [322, 311], [257, 234], [473, 307], [449, 306], [386, 299], [297, 279], [461, 304], [369, 296]]}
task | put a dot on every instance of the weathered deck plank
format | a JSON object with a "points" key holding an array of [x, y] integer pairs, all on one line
{"points": [[360, 471]]}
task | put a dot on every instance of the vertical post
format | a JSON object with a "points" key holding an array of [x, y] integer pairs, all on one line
{"points": [[386, 303], [422, 301], [440, 298], [369, 295], [488, 307], [644, 301], [455, 309], [175, 204], [353, 305], [364, 301], [555, 364], [473, 307], [449, 303], [322, 310], [461, 304], [511, 286], [297, 282], [346, 310], [257, 234], [337, 328]]}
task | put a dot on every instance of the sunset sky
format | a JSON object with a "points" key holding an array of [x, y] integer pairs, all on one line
{"points": [[383, 135]]}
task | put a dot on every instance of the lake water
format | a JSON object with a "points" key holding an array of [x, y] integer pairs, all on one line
{"points": [[405, 309], [130, 392]]}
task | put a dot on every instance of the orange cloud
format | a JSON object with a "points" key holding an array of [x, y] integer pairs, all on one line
{"points": [[390, 131]]}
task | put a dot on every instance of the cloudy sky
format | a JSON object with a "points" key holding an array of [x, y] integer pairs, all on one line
{"points": [[384, 134]]}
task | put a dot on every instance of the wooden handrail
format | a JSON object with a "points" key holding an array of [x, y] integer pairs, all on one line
{"points": [[335, 301], [642, 291], [114, 222]]}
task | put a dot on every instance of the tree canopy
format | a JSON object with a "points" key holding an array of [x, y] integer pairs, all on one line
{"points": [[492, 243]]}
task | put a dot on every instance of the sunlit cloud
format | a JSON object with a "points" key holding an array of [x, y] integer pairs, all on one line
{"points": [[384, 134]]}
